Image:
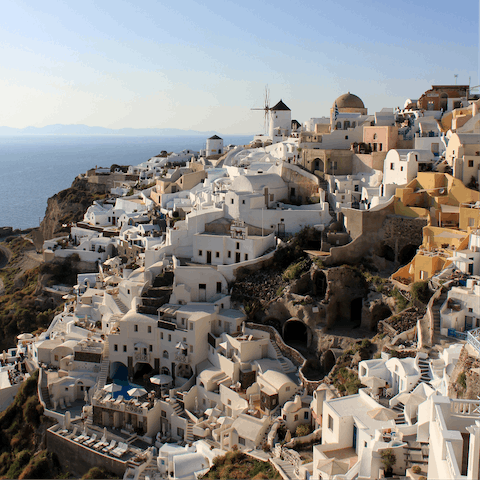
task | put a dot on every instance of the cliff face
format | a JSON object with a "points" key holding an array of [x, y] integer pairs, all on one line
{"points": [[68, 206]]}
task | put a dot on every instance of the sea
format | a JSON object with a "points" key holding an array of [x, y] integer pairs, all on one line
{"points": [[34, 168]]}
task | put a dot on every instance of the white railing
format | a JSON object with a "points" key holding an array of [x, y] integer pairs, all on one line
{"points": [[451, 461], [472, 338], [465, 407]]}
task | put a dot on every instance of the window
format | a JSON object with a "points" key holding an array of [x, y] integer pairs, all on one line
{"points": [[56, 356], [149, 329], [423, 275], [374, 136], [165, 354], [229, 254], [246, 256], [380, 147], [202, 286], [292, 192], [169, 338], [296, 418], [164, 414], [470, 310], [191, 348], [471, 222], [470, 163], [200, 253], [284, 417], [229, 402], [305, 415], [115, 348], [150, 348], [241, 441], [357, 188], [161, 335], [232, 201], [401, 169], [346, 137], [392, 166], [243, 202], [287, 389], [238, 246], [330, 423], [217, 254], [183, 321], [191, 325], [135, 328], [219, 287], [180, 432], [124, 348]]}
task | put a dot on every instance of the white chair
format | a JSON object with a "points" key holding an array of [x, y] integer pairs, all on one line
{"points": [[110, 447], [92, 440]]}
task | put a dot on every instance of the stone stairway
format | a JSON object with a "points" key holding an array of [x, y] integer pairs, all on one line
{"points": [[189, 433], [425, 375], [121, 306], [436, 312], [104, 367], [46, 397], [150, 471], [287, 468], [89, 417], [153, 298], [177, 408], [285, 366], [399, 408], [416, 453]]}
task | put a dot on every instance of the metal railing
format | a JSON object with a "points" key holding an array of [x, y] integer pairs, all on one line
{"points": [[472, 338]]}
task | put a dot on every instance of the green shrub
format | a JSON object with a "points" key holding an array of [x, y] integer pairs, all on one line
{"points": [[421, 292], [294, 270], [462, 380], [302, 430], [416, 469]]}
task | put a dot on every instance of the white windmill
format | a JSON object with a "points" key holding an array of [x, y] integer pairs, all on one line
{"points": [[266, 109]]}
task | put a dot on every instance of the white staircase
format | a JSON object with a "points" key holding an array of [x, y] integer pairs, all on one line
{"points": [[283, 363], [400, 409], [189, 433], [104, 366], [121, 306]]}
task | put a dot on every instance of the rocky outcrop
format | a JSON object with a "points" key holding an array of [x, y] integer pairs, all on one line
{"points": [[68, 206], [465, 377]]}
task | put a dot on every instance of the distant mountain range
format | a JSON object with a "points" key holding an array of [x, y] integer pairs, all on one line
{"points": [[60, 129]]}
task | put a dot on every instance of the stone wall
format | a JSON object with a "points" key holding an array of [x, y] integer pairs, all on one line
{"points": [[402, 231], [78, 459]]}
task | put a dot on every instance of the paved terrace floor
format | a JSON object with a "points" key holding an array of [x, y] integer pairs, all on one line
{"points": [[345, 454]]}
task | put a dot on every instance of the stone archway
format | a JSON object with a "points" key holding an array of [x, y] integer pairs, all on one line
{"points": [[140, 370], [296, 334], [320, 284], [406, 254], [118, 371], [387, 252]]}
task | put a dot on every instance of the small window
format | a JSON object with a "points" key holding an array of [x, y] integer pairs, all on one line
{"points": [[202, 286], [169, 338], [164, 414], [125, 348], [149, 329], [243, 202], [200, 253], [346, 137], [229, 402], [219, 287], [150, 348], [241, 441], [305, 415], [56, 356], [191, 325], [180, 432], [238, 245], [115, 348], [380, 147], [470, 310], [161, 335], [191, 348], [392, 166], [401, 169], [217, 254], [165, 354], [232, 201], [229, 254], [135, 328], [470, 163], [246, 256], [287, 389], [330, 423], [296, 418], [471, 222]]}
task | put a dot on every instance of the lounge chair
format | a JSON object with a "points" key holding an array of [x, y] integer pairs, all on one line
{"points": [[74, 433], [118, 400], [81, 437], [62, 404], [120, 450], [112, 445], [102, 443], [92, 440]]}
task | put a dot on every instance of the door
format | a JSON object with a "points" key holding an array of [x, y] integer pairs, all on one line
{"points": [[468, 323], [237, 257], [209, 257], [202, 292], [354, 439]]}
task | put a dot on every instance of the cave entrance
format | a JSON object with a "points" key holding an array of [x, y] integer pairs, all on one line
{"points": [[356, 312], [141, 369], [329, 361], [380, 312], [295, 334], [320, 284], [387, 253], [407, 253]]}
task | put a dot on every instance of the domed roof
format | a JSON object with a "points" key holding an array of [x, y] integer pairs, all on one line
{"points": [[349, 100]]}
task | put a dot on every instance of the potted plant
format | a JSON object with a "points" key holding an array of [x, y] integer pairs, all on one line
{"points": [[388, 460]]}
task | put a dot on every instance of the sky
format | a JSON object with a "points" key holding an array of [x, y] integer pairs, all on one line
{"points": [[204, 65]]}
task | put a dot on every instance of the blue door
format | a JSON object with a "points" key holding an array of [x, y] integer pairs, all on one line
{"points": [[354, 440]]}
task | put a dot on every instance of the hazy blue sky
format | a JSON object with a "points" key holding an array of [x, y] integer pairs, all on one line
{"points": [[203, 65]]}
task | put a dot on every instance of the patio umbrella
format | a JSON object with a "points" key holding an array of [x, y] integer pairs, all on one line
{"points": [[161, 379], [24, 336], [383, 414], [69, 296], [137, 392], [112, 387], [373, 382], [411, 399], [112, 279], [332, 466]]}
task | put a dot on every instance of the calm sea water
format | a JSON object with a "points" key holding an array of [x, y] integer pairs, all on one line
{"points": [[33, 168]]}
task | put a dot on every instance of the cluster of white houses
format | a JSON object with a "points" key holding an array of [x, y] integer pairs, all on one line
{"points": [[151, 370]]}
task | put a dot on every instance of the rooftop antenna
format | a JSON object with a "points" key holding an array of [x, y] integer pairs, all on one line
{"points": [[456, 76], [266, 108]]}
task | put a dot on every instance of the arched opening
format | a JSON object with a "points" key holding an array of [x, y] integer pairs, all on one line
{"points": [[118, 372], [318, 165], [295, 334], [407, 253], [329, 361], [346, 124], [356, 312], [387, 252], [184, 370], [443, 101], [140, 370], [165, 371], [320, 284]]}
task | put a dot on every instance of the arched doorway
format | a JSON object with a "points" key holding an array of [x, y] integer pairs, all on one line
{"points": [[407, 253], [356, 312], [387, 252], [318, 164], [320, 284], [140, 370], [118, 372], [295, 334]]}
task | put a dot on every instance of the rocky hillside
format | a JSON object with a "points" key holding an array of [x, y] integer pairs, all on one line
{"points": [[68, 206]]}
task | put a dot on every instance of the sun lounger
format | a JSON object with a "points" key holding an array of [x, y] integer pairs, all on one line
{"points": [[102, 443], [81, 438], [62, 431], [112, 445], [74, 433], [92, 440], [118, 400], [120, 450]]}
